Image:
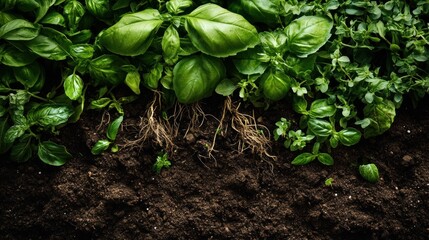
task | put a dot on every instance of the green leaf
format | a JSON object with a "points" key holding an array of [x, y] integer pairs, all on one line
{"points": [[381, 117], [13, 57], [369, 172], [171, 45], [319, 127], [4, 126], [307, 34], [50, 44], [299, 105], [133, 34], [321, 108], [273, 42], [49, 115], [29, 75], [218, 32], [99, 8], [53, 154], [152, 78], [275, 84], [23, 150], [73, 86], [133, 81], [100, 103], [196, 77], [303, 158], [53, 18], [248, 62], [226, 87], [113, 128], [73, 12], [325, 159], [43, 8], [15, 132], [82, 51], [19, 30], [100, 146], [107, 70], [265, 11], [349, 136]]}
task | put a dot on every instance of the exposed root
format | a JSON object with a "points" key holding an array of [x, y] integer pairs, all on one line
{"points": [[106, 114], [252, 135], [154, 128], [194, 112]]}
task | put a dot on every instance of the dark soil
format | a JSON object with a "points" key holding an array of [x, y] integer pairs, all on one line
{"points": [[232, 195]]}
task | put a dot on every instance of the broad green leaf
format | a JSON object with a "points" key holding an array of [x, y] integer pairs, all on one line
{"points": [[319, 127], [50, 44], [43, 8], [218, 32], [15, 132], [275, 84], [19, 30], [78, 110], [349, 136], [82, 51], [113, 128], [265, 11], [133, 81], [273, 42], [369, 172], [171, 45], [196, 77], [178, 6], [53, 154], [301, 66], [73, 86], [152, 78], [307, 34], [120, 4], [73, 12], [299, 105], [226, 87], [7, 5], [53, 18], [303, 158], [29, 75], [4, 126], [381, 117], [27, 5], [248, 62], [321, 108], [325, 159], [22, 151], [99, 8], [49, 115], [13, 57], [107, 70], [133, 34], [100, 146]]}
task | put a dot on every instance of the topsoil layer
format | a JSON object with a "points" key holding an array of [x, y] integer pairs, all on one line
{"points": [[231, 195]]}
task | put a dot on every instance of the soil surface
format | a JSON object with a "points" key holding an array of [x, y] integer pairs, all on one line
{"points": [[231, 195]]}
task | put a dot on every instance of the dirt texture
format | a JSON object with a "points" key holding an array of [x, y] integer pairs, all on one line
{"points": [[221, 194]]}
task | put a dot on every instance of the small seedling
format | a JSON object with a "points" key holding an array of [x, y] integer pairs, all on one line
{"points": [[111, 133], [161, 162], [328, 182], [369, 172]]}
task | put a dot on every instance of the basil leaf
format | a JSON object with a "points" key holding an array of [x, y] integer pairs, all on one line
{"points": [[319, 127], [7, 5], [19, 30], [273, 42], [275, 84], [133, 81], [133, 34], [369, 172], [307, 34], [100, 103], [23, 150], [53, 18], [82, 51], [53, 154], [43, 8], [99, 8], [29, 75], [300, 105], [14, 57], [381, 116], [303, 158], [73, 86], [106, 70], [321, 108], [152, 78], [50, 44], [226, 87], [218, 32], [73, 12], [171, 45], [4, 126], [15, 132], [49, 115], [112, 129], [196, 77], [100, 146], [349, 136], [325, 159], [265, 11], [248, 62]]}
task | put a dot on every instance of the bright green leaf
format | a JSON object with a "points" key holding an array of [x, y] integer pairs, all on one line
{"points": [[369, 172], [113, 128], [53, 154], [73, 86]]}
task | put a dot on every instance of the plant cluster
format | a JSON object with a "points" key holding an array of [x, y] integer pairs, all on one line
{"points": [[344, 66]]}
